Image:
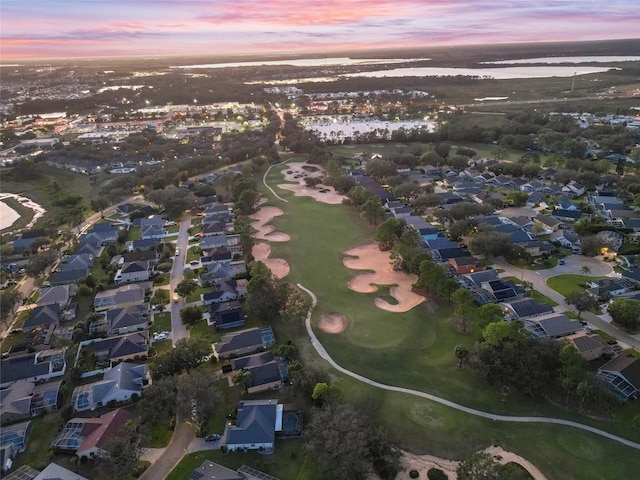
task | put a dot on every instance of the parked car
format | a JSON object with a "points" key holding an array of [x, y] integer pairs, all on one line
{"points": [[213, 437], [612, 342], [561, 262], [616, 347], [160, 336]]}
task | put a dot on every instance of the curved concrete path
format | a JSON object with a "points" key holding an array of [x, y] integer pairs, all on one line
{"points": [[264, 181], [472, 411]]}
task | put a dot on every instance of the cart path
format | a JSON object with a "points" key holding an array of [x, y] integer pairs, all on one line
{"points": [[472, 411]]}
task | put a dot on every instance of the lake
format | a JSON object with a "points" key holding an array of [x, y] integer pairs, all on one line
{"points": [[552, 60], [306, 62], [498, 73]]}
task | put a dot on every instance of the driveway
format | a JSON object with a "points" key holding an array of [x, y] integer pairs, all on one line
{"points": [[171, 456]]}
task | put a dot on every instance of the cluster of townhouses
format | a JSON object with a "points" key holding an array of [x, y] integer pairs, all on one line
{"points": [[470, 272]]}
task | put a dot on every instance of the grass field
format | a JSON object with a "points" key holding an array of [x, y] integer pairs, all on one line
{"points": [[414, 350], [161, 322], [565, 284]]}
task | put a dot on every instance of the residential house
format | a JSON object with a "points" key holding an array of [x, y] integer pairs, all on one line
{"points": [[135, 245], [503, 181], [244, 342], [101, 234], [622, 376], [226, 315], [267, 372], [25, 398], [225, 291], [525, 308], [119, 384], [522, 222], [552, 325], [53, 471], [133, 294], [89, 437], [78, 261], [61, 295], [42, 316], [38, 366], [152, 228], [255, 427], [128, 319], [534, 199], [536, 248], [566, 238], [7, 456], [143, 256], [549, 223], [447, 198], [444, 254], [503, 290], [566, 204], [466, 265], [210, 470], [131, 346], [566, 215], [67, 277], [590, 345], [531, 187], [16, 436], [574, 189], [132, 272], [609, 287]]}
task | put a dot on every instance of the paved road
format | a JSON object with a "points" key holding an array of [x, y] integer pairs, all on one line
{"points": [[182, 436], [573, 264], [472, 411], [178, 330]]}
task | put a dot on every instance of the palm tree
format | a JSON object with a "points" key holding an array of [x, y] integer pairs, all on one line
{"points": [[585, 270], [243, 377]]}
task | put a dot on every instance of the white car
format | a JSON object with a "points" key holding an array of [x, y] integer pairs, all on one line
{"points": [[160, 336]]}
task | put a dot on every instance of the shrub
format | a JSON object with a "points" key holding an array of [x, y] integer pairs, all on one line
{"points": [[414, 474], [437, 474]]}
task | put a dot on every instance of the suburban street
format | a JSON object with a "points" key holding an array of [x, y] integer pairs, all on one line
{"points": [[178, 330], [573, 264], [182, 437]]}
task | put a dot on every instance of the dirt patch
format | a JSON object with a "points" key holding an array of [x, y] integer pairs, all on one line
{"points": [[278, 266], [332, 323], [297, 172], [369, 257], [264, 231]]}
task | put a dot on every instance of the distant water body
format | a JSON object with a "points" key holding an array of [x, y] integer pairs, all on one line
{"points": [[556, 60], [307, 62], [498, 73]]}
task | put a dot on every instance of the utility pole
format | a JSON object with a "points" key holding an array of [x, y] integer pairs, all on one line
{"points": [[573, 83]]}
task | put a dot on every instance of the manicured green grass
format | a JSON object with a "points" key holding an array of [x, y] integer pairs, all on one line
{"points": [[38, 454], [202, 330], [159, 436], [173, 228], [161, 322], [134, 234], [414, 350], [195, 295], [193, 253], [163, 346], [565, 284], [288, 462]]}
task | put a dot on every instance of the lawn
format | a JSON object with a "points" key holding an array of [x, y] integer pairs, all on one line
{"points": [[288, 462], [195, 295], [537, 296], [161, 322], [414, 350], [565, 284], [202, 330]]}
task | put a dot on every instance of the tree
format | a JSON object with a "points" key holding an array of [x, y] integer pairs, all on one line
{"points": [[372, 210], [323, 392], [187, 354], [312, 182], [461, 352], [478, 466], [296, 306], [8, 300], [39, 263], [505, 334], [198, 397], [190, 315], [581, 301], [125, 449], [585, 270], [345, 445], [626, 313], [387, 233], [247, 202], [186, 287], [305, 380], [442, 149], [492, 244], [266, 295], [487, 314], [464, 306], [159, 399], [243, 378]]}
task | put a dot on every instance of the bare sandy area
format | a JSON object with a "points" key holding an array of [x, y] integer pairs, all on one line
{"points": [[293, 172], [332, 323], [278, 266], [265, 231], [422, 464], [369, 257]]}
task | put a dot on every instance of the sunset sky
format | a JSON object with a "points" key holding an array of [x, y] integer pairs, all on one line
{"points": [[85, 28]]}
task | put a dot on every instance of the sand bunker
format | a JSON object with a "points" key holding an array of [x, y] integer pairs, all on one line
{"points": [[369, 257], [293, 172], [266, 232], [332, 323], [422, 464], [278, 266]]}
